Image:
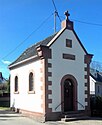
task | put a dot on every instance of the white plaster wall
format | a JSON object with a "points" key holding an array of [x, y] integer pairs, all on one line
{"points": [[61, 67], [98, 85], [92, 86], [23, 100]]}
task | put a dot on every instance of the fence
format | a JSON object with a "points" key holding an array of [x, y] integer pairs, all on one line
{"points": [[5, 100]]}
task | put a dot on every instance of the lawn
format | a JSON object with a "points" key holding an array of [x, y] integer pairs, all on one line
{"points": [[4, 108]]}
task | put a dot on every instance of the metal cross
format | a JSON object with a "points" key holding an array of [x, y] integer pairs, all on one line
{"points": [[67, 15]]}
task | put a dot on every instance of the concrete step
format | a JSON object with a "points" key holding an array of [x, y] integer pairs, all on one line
{"points": [[75, 118], [73, 115]]}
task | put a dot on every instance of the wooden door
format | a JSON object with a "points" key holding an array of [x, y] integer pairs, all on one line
{"points": [[68, 95]]}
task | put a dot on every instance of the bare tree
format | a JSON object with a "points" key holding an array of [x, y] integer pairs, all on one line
{"points": [[96, 65]]}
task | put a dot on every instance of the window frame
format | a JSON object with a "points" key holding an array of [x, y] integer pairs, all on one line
{"points": [[16, 86], [69, 43], [31, 89]]}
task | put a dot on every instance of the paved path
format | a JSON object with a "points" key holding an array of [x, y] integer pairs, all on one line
{"points": [[11, 118]]}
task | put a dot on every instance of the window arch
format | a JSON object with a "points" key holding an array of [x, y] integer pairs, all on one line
{"points": [[16, 84], [31, 81]]}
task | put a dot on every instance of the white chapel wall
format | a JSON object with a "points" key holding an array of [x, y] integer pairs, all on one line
{"points": [[23, 100], [61, 67]]}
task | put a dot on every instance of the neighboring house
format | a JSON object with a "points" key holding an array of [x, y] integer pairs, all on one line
{"points": [[2, 79], [52, 76], [95, 83]]}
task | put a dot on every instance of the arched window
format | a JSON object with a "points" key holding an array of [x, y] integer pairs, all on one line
{"points": [[16, 84], [31, 82]]}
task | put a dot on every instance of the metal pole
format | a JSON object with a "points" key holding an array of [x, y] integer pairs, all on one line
{"points": [[55, 14]]}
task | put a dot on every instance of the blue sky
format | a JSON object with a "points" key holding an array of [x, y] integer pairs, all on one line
{"points": [[19, 18]]}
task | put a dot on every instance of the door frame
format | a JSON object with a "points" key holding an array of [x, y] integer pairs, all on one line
{"points": [[74, 82]]}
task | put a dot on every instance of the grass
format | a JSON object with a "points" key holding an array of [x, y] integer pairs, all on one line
{"points": [[4, 108]]}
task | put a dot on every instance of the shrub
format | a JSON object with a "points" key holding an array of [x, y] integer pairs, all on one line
{"points": [[96, 105]]}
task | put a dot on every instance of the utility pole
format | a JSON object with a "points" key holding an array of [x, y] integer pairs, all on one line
{"points": [[55, 15]]}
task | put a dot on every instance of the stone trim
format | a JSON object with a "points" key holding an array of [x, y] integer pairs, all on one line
{"points": [[86, 92], [68, 56], [45, 53], [49, 74], [31, 92], [48, 92], [52, 116], [85, 69], [35, 115], [50, 101], [41, 79], [16, 92], [50, 65], [85, 84], [87, 60], [41, 87], [49, 82], [74, 81], [86, 76], [41, 70], [42, 97], [40, 116]]}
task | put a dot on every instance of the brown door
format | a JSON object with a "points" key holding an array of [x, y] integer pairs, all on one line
{"points": [[68, 95]]}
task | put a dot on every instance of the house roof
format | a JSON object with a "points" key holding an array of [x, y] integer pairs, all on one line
{"points": [[2, 79], [96, 75], [31, 51]]}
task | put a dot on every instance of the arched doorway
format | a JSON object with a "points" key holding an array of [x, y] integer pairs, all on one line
{"points": [[68, 93]]}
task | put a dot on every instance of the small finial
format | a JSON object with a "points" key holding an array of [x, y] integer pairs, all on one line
{"points": [[67, 15]]}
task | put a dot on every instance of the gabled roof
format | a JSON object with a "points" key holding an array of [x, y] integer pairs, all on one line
{"points": [[31, 51], [96, 75]]}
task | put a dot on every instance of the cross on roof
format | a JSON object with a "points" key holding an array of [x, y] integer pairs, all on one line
{"points": [[67, 15]]}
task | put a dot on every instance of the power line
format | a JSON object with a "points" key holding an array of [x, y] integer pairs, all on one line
{"points": [[27, 37], [84, 22], [55, 14], [89, 23], [56, 10], [54, 5]]}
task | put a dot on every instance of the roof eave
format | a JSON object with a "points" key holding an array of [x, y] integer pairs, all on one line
{"points": [[21, 62]]}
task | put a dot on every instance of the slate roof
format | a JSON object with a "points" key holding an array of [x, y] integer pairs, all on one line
{"points": [[31, 51], [96, 75]]}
